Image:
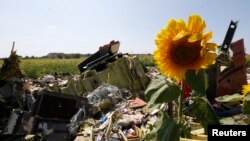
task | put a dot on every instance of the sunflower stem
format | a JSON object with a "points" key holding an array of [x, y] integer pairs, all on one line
{"points": [[181, 101], [170, 109]]}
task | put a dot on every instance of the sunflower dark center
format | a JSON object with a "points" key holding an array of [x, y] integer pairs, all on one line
{"points": [[185, 54]]}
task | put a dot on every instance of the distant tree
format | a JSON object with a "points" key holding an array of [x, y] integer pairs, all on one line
{"points": [[67, 56], [60, 56], [77, 55]]}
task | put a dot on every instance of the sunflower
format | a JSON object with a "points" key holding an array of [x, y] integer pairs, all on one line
{"points": [[182, 47], [245, 89]]}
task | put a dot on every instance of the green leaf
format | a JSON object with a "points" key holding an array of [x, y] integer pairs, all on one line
{"points": [[227, 121], [247, 97], [172, 92], [197, 81], [204, 112], [185, 128], [230, 98], [246, 104], [155, 84], [166, 93], [165, 129]]}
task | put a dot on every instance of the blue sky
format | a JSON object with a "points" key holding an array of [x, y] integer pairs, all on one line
{"points": [[81, 26]]}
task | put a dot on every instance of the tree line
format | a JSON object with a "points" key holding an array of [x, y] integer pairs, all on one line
{"points": [[58, 56]]}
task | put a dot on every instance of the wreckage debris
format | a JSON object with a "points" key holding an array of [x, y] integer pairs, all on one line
{"points": [[137, 103], [105, 102], [10, 69], [98, 60], [59, 108], [230, 79], [11, 87]]}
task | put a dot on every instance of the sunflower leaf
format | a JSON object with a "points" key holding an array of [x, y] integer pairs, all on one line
{"points": [[172, 92], [229, 98], [204, 112], [197, 81], [166, 93], [165, 129], [155, 84]]}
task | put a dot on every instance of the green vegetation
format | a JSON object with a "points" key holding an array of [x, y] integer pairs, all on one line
{"points": [[147, 59], [34, 68], [248, 60]]}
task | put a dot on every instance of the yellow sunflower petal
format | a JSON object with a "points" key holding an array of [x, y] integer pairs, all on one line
{"points": [[207, 36], [180, 35], [181, 47], [245, 89], [171, 24], [195, 37], [210, 58], [171, 28], [211, 46], [203, 52], [163, 34], [181, 25], [195, 24], [203, 43], [160, 35]]}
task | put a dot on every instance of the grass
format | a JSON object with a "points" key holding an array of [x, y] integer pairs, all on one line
{"points": [[147, 60], [35, 68]]}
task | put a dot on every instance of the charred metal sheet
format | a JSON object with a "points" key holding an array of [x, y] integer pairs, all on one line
{"points": [[224, 56], [20, 122], [55, 105], [229, 36], [99, 59], [231, 79], [52, 129]]}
